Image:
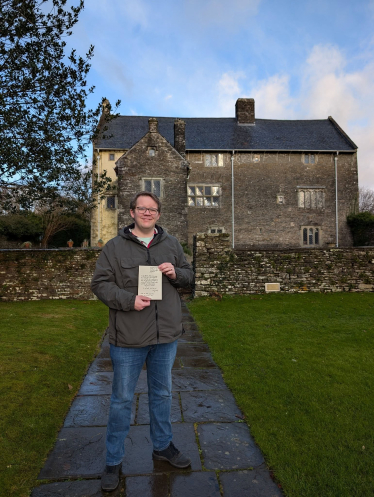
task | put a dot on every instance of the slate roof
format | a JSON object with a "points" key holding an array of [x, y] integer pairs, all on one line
{"points": [[227, 134]]}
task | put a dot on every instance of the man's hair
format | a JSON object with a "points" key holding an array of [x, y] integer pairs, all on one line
{"points": [[145, 194]]}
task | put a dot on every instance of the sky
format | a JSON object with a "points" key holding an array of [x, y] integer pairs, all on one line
{"points": [[299, 59]]}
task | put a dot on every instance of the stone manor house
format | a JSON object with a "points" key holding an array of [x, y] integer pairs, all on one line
{"points": [[268, 183]]}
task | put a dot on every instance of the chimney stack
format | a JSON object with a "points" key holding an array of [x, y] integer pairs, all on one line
{"points": [[153, 124], [180, 136], [245, 111]]}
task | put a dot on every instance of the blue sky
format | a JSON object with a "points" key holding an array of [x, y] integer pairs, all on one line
{"points": [[193, 58]]}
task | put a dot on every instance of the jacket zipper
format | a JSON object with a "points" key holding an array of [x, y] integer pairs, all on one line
{"points": [[156, 310]]}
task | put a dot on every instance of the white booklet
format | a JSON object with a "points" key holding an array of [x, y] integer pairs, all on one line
{"points": [[150, 282]]}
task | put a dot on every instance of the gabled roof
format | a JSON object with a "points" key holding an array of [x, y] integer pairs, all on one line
{"points": [[227, 134]]}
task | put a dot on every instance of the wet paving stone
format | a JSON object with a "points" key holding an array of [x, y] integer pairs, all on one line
{"points": [[78, 452], [228, 446], [138, 450], [191, 337], [88, 488], [147, 486], [142, 417], [192, 350], [256, 483], [188, 379], [195, 484], [201, 361], [100, 365], [92, 410], [209, 406], [97, 384]]}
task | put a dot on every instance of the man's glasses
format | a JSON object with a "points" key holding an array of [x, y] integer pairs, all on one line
{"points": [[143, 210]]}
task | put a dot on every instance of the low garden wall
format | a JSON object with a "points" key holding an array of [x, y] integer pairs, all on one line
{"points": [[28, 274], [35, 274], [221, 270]]}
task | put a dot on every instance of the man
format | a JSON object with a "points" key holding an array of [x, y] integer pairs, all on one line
{"points": [[141, 330]]}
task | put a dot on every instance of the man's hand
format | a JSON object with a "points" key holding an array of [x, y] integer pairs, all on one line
{"points": [[168, 270], [141, 302]]}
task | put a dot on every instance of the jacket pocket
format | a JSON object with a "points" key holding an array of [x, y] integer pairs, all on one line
{"points": [[130, 271]]}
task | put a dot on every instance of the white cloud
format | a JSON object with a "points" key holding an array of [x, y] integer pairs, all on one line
{"points": [[228, 91], [272, 97], [168, 97], [327, 88]]}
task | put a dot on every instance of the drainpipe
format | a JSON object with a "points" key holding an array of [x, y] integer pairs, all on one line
{"points": [[232, 199], [99, 201], [336, 201]]}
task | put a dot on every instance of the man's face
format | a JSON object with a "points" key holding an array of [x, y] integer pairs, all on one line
{"points": [[145, 221]]}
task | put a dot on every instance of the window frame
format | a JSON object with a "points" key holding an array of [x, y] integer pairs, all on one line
{"points": [[311, 198], [114, 201], [204, 195], [310, 159], [311, 233], [218, 159], [152, 180]]}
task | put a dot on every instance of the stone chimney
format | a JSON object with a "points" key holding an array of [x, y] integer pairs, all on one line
{"points": [[180, 136], [245, 111], [153, 124]]}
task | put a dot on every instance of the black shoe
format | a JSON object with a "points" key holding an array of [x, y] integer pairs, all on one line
{"points": [[110, 477], [172, 455]]}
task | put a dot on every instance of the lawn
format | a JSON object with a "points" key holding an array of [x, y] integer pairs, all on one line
{"points": [[301, 368], [46, 347]]}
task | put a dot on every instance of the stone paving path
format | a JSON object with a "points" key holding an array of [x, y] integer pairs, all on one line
{"points": [[207, 426]]}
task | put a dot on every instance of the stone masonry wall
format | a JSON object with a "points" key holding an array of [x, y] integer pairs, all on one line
{"points": [[46, 274], [219, 269], [154, 158], [266, 188]]}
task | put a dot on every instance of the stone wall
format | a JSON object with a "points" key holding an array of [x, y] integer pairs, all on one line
{"points": [[46, 274], [267, 186], [221, 270], [154, 158]]}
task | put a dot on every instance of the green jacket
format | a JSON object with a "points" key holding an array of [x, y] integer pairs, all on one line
{"points": [[115, 282]]}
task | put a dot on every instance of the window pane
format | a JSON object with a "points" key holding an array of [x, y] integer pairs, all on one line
{"points": [[199, 191], [312, 159], [320, 202], [220, 160], [208, 160], [157, 188], [148, 185], [215, 190], [316, 236], [310, 236], [191, 201], [199, 201], [214, 160], [191, 190], [219, 231], [207, 201], [208, 190], [110, 202], [111, 156], [306, 159], [307, 200], [313, 199], [212, 230], [215, 201], [301, 200], [305, 236]]}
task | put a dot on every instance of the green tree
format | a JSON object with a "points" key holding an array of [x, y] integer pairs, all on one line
{"points": [[45, 126]]}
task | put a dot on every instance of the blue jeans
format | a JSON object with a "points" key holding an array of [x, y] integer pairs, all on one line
{"points": [[127, 365]]}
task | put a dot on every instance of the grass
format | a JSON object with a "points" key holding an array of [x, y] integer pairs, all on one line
{"points": [[46, 347], [301, 368]]}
